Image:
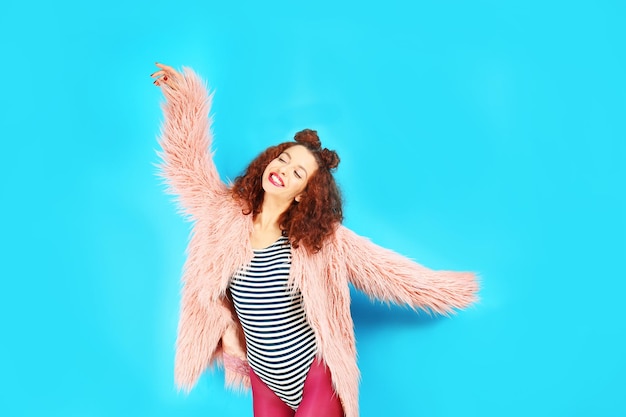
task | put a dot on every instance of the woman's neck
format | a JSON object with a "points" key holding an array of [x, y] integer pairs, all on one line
{"points": [[271, 210], [268, 217], [266, 226], [266, 221]]}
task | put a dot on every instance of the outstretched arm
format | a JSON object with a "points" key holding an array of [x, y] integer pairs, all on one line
{"points": [[388, 276], [186, 160]]}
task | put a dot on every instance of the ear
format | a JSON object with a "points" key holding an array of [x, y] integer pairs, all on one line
{"points": [[298, 198]]}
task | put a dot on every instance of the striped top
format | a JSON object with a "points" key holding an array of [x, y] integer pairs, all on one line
{"points": [[280, 342]]}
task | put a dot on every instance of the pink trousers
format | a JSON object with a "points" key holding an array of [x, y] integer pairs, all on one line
{"points": [[318, 397]]}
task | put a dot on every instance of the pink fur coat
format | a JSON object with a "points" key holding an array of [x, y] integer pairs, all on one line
{"points": [[220, 244]]}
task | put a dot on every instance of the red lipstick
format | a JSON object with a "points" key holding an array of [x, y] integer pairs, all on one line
{"points": [[276, 180]]}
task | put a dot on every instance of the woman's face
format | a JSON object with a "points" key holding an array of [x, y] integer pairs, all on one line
{"points": [[286, 177]]}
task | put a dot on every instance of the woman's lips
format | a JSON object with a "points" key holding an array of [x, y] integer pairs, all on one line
{"points": [[276, 180]]}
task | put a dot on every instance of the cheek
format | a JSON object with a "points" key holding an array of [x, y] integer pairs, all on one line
{"points": [[302, 186], [272, 166], [267, 169]]}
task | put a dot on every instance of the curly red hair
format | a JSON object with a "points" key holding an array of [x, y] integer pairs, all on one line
{"points": [[313, 219]]}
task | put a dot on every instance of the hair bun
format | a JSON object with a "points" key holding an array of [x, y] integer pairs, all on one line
{"points": [[329, 158], [326, 157], [309, 137]]}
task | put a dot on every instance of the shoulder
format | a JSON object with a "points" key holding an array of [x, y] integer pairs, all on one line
{"points": [[339, 241], [343, 236]]}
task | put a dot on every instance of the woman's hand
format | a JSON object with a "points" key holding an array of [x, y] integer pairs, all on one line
{"points": [[167, 76], [233, 342]]}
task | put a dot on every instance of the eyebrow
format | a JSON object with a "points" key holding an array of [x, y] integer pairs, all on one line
{"points": [[299, 166]]}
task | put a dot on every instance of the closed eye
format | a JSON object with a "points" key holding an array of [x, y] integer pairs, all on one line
{"points": [[297, 175]]}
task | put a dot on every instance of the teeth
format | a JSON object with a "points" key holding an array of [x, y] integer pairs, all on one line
{"points": [[276, 179]]}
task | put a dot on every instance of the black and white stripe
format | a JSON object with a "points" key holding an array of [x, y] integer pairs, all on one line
{"points": [[280, 342]]}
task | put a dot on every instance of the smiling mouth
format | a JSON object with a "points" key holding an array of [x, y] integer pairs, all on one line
{"points": [[276, 180]]}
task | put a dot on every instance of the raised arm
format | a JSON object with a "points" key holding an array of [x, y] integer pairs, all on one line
{"points": [[186, 160], [388, 276]]}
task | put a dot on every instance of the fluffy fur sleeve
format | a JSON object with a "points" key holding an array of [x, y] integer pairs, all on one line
{"points": [[186, 161], [386, 275]]}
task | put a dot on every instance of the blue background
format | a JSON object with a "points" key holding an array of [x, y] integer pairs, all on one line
{"points": [[480, 135]]}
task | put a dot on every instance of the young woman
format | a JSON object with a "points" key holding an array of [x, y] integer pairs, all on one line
{"points": [[266, 282]]}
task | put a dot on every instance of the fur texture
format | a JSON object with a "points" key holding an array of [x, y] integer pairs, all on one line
{"points": [[220, 244]]}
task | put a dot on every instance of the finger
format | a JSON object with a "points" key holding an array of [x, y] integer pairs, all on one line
{"points": [[165, 67], [157, 74], [171, 72]]}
